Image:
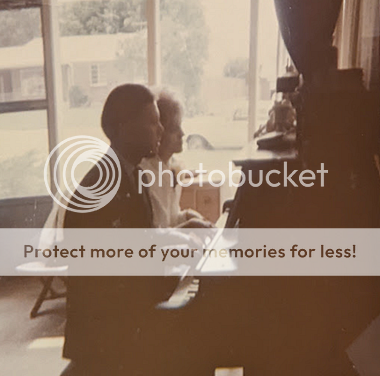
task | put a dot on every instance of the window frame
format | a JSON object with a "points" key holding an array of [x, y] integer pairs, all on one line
{"points": [[101, 76], [31, 104], [52, 67]]}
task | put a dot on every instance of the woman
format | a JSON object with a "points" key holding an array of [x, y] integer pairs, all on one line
{"points": [[165, 196]]}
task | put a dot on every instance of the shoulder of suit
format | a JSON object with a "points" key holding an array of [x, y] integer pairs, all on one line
{"points": [[151, 163], [93, 178]]}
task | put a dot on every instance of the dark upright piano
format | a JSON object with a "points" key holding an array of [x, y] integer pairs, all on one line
{"points": [[300, 325]]}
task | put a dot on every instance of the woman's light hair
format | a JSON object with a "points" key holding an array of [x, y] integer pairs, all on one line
{"points": [[169, 106]]}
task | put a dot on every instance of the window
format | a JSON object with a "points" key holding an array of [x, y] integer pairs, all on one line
{"points": [[5, 85], [96, 57], [98, 75], [207, 62], [205, 52], [32, 82], [23, 153], [357, 38], [23, 105]]}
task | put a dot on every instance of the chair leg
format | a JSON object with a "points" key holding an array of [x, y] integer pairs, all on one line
{"points": [[46, 287], [64, 280], [55, 295]]}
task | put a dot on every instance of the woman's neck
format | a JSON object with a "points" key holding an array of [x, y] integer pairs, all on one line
{"points": [[165, 156]]}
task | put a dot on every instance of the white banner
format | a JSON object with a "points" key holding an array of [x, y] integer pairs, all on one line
{"points": [[196, 252]]}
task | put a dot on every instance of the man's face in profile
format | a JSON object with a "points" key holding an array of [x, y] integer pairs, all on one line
{"points": [[141, 135]]}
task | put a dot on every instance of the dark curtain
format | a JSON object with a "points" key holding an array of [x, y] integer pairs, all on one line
{"points": [[307, 27]]}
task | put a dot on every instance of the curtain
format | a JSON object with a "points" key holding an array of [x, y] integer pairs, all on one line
{"points": [[307, 27], [357, 37], [369, 43]]}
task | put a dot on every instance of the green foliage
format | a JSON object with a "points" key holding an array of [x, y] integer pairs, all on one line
{"points": [[19, 26], [237, 68], [183, 32], [77, 97], [22, 176], [183, 29], [132, 57], [184, 49], [101, 17]]}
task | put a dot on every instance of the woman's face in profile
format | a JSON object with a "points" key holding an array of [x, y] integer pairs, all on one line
{"points": [[171, 141]]}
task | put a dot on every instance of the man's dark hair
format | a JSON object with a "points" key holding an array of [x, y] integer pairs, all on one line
{"points": [[123, 105]]}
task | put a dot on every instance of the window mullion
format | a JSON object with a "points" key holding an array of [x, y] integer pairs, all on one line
{"points": [[154, 42], [253, 69], [50, 36]]}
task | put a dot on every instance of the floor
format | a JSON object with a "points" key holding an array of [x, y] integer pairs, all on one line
{"points": [[33, 347], [350, 326], [30, 347]]}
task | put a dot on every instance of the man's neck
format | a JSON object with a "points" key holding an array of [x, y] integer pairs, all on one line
{"points": [[128, 155], [164, 156]]}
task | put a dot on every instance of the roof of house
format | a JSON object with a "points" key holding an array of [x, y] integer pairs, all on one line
{"points": [[79, 48]]}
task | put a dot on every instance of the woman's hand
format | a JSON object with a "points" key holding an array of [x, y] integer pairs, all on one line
{"points": [[197, 223], [190, 214]]}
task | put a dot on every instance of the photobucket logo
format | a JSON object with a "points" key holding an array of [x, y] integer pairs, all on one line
{"points": [[71, 155], [273, 178]]}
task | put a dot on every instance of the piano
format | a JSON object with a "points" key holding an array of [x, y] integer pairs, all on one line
{"points": [[298, 325]]}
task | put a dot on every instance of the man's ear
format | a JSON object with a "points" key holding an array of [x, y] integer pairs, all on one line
{"points": [[127, 135], [117, 136], [122, 132]]}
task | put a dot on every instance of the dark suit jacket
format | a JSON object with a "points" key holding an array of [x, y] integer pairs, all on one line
{"points": [[109, 318]]}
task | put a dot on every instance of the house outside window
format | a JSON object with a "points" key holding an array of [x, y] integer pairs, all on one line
{"points": [[32, 83], [24, 123], [98, 75]]}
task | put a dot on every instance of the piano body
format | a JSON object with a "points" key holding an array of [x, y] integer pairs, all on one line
{"points": [[299, 325]]}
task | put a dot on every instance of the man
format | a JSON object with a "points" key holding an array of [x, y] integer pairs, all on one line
{"points": [[107, 316]]}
